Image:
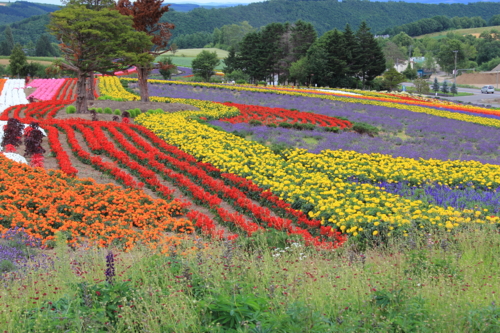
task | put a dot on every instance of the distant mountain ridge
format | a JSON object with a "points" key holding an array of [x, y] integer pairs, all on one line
{"points": [[19, 10], [325, 15]]}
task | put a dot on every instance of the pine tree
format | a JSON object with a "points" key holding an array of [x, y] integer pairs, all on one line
{"points": [[453, 89], [43, 47], [369, 58], [17, 60], [435, 85], [9, 39], [444, 88]]}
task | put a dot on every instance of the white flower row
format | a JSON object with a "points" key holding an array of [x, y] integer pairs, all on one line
{"points": [[12, 94]]}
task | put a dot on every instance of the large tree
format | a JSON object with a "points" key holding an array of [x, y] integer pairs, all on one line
{"points": [[146, 15], [369, 58], [96, 41], [204, 64]]}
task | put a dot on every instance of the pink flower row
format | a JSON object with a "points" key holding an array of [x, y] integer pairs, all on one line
{"points": [[47, 89]]}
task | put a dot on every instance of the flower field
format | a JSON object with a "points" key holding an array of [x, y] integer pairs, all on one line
{"points": [[278, 209]]}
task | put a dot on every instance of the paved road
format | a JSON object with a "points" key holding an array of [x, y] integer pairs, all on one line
{"points": [[477, 98]]}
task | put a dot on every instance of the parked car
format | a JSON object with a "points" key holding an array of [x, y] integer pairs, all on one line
{"points": [[487, 90]]}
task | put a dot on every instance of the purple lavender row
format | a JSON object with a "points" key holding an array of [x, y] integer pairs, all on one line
{"points": [[183, 71], [444, 196], [403, 133]]}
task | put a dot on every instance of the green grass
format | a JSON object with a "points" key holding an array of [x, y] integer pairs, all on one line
{"points": [[190, 54], [439, 283], [470, 31], [194, 52]]}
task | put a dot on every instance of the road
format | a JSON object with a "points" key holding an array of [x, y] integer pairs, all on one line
{"points": [[477, 98]]}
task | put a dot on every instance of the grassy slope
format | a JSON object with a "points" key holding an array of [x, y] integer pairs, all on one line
{"points": [[471, 31]]}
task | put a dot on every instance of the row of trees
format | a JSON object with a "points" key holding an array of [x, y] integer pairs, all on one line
{"points": [[292, 53]]}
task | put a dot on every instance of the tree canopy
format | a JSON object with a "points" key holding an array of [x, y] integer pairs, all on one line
{"points": [[96, 41]]}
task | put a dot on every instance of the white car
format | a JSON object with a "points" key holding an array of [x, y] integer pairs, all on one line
{"points": [[487, 90]]}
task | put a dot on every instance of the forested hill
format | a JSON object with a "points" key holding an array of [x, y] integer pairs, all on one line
{"points": [[324, 15], [20, 10]]}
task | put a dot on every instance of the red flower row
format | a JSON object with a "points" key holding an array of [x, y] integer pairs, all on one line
{"points": [[198, 172], [278, 115]]}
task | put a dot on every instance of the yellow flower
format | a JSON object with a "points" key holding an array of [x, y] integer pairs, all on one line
{"points": [[375, 233]]}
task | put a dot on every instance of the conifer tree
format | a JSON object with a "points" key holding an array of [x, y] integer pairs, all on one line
{"points": [[146, 15]]}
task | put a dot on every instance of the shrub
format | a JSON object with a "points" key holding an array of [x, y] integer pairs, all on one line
{"points": [[255, 122], [285, 125], [363, 128], [108, 110], [272, 125], [331, 129], [71, 109], [99, 110], [241, 81], [117, 112]]}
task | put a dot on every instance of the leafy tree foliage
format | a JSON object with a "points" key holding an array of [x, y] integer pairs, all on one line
{"points": [[204, 64], [369, 58], [392, 78], [146, 15], [421, 86], [166, 67], [91, 41]]}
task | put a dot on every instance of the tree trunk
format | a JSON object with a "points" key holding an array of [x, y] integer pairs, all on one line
{"points": [[91, 87], [142, 74], [81, 93]]}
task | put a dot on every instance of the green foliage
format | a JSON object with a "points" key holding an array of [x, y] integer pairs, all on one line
{"points": [[453, 89], [17, 61], [392, 78], [421, 86], [44, 47], [444, 87], [7, 266], [363, 128], [204, 64], [108, 110], [331, 129], [117, 112], [435, 85], [410, 73], [70, 109]]}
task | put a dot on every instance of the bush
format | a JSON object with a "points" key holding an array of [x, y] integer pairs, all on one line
{"points": [[241, 81], [263, 83], [285, 125], [108, 110], [255, 122], [71, 109], [363, 128], [331, 129], [272, 125], [117, 112], [99, 110]]}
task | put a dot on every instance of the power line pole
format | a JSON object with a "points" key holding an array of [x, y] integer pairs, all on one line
{"points": [[455, 71]]}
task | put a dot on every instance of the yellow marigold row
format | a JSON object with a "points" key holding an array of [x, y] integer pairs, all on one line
{"points": [[349, 206], [380, 167]]}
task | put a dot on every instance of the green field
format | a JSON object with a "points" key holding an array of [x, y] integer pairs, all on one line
{"points": [[471, 31], [184, 57]]}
